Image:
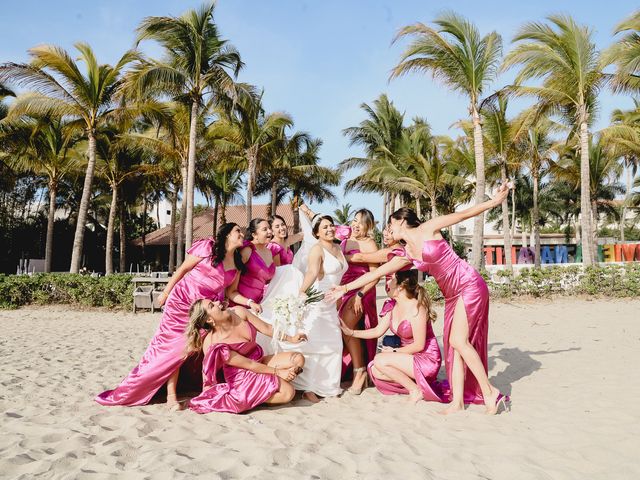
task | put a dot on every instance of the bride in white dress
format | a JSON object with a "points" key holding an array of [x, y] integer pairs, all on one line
{"points": [[318, 263]]}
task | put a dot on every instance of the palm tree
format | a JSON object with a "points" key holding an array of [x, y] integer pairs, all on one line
{"points": [[250, 134], [625, 55], [45, 146], [564, 57], [343, 214], [196, 65], [64, 91], [379, 134], [466, 62]]}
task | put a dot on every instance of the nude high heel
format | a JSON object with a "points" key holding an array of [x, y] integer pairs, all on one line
{"points": [[358, 390]]}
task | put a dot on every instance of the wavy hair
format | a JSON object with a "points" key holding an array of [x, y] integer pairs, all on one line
{"points": [[408, 280], [220, 248], [197, 321]]}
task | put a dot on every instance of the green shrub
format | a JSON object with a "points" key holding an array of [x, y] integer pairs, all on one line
{"points": [[113, 291]]}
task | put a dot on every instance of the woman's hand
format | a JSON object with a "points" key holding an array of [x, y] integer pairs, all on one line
{"points": [[162, 298], [287, 374], [335, 293], [357, 305], [255, 307], [501, 193], [298, 337], [387, 349], [346, 329]]}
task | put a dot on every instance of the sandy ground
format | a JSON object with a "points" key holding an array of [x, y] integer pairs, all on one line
{"points": [[571, 366]]}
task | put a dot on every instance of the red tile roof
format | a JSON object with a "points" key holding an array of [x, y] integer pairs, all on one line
{"points": [[203, 222]]}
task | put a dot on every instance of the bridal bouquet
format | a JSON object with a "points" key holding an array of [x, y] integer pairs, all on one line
{"points": [[288, 312]]}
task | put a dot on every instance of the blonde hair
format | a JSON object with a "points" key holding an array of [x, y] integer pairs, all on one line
{"points": [[198, 317], [408, 281]]}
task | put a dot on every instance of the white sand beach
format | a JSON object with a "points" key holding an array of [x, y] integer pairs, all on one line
{"points": [[570, 365]]}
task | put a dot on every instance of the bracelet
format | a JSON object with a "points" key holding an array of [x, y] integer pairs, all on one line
{"points": [[360, 294], [249, 302]]}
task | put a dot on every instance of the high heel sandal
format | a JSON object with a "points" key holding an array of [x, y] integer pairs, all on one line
{"points": [[505, 401], [358, 390]]}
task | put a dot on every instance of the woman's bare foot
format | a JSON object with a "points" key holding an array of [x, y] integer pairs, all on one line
{"points": [[173, 404], [415, 396], [491, 401], [312, 397], [452, 408]]}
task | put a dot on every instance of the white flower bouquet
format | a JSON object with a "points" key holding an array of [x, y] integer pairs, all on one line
{"points": [[288, 313]]}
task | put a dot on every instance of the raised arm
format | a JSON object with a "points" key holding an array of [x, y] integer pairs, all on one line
{"points": [[379, 256], [189, 263], [307, 211], [438, 223], [392, 266], [314, 264]]}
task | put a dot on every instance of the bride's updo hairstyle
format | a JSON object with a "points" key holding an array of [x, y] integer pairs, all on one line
{"points": [[315, 223], [408, 281], [220, 248], [408, 215]]}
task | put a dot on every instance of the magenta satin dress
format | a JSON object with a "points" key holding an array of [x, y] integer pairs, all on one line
{"points": [[459, 281], [166, 351], [369, 310], [285, 253], [253, 282], [239, 390], [426, 364]]}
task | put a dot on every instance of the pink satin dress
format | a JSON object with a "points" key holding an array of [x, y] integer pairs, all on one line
{"points": [[459, 281], [166, 351], [253, 282], [231, 389], [426, 364], [369, 310], [285, 253]]}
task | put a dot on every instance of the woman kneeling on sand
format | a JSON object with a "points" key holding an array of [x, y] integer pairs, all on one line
{"points": [[413, 366], [250, 378]]}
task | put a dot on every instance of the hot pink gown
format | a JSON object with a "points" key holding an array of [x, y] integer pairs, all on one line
{"points": [[166, 351], [239, 390], [253, 282], [426, 363], [355, 271], [459, 281], [285, 253]]}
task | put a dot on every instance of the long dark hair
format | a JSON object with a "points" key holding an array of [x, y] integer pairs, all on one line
{"points": [[220, 248], [408, 215], [253, 227]]}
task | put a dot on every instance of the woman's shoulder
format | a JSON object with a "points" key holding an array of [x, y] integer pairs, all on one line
{"points": [[202, 248], [368, 245]]}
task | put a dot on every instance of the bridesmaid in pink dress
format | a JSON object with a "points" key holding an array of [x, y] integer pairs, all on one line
{"points": [[209, 268], [359, 304], [230, 348], [280, 243], [466, 300], [248, 289], [413, 367]]}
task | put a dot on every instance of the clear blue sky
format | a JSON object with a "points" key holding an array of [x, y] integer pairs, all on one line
{"points": [[317, 60]]}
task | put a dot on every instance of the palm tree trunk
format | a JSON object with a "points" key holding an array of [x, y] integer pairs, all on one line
{"points": [[594, 229], [51, 218], [191, 175], [585, 200], [513, 214], [506, 228], [183, 210], [172, 230], [434, 213], [478, 221], [78, 238], [296, 212], [216, 208], [123, 235], [535, 220], [223, 212], [108, 255], [251, 172], [384, 209], [418, 211], [274, 199], [626, 200], [144, 226]]}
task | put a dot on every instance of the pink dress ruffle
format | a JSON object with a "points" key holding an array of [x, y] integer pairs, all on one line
{"points": [[239, 389]]}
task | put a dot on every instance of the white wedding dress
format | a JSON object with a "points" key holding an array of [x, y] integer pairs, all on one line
{"points": [[323, 350]]}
